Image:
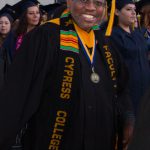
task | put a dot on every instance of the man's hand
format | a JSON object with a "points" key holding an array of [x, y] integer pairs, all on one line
{"points": [[127, 135]]}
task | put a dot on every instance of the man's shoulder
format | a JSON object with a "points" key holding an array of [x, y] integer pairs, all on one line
{"points": [[55, 21], [50, 24]]}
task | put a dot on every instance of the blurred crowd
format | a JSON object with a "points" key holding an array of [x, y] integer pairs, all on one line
{"points": [[16, 21]]}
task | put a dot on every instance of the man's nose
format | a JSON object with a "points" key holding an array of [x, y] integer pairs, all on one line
{"points": [[91, 5]]}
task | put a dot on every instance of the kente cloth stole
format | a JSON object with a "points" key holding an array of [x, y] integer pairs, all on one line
{"points": [[65, 100]]}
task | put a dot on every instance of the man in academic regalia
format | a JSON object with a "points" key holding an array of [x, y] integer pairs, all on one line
{"points": [[68, 84]]}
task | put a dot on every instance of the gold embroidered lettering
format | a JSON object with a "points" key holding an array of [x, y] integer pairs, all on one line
{"points": [[65, 96], [66, 90], [111, 67], [108, 54], [52, 147], [110, 62], [69, 73], [55, 142], [69, 59], [70, 67], [66, 84], [67, 78], [58, 130], [56, 136], [105, 47]]}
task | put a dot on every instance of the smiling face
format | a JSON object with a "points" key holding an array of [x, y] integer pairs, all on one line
{"points": [[86, 13], [33, 16], [126, 16]]}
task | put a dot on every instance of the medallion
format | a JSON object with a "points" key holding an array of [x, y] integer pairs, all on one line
{"points": [[95, 77]]}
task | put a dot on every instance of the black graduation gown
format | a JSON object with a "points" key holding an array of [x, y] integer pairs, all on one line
{"points": [[2, 66], [26, 95], [141, 134], [4, 62], [10, 44], [134, 51]]}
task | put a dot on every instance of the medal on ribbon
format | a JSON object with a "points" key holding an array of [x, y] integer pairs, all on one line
{"points": [[90, 55]]}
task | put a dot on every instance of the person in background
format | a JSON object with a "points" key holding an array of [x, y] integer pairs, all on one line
{"points": [[5, 26], [145, 22], [44, 16], [49, 10], [7, 17], [6, 21], [133, 48], [29, 19], [58, 11], [68, 83]]}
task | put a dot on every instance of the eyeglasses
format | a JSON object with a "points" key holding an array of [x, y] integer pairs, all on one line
{"points": [[97, 3]]}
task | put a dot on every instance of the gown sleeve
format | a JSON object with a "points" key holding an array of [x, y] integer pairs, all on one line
{"points": [[21, 94]]}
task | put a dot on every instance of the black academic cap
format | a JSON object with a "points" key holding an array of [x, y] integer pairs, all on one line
{"points": [[34, 1], [61, 1], [42, 9], [121, 3], [22, 6], [8, 11], [26, 4], [49, 8], [58, 11]]}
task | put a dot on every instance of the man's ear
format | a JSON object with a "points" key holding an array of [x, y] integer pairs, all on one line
{"points": [[117, 12]]}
